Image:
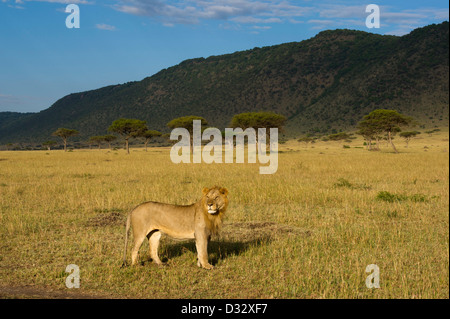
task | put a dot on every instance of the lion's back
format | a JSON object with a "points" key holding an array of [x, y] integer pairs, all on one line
{"points": [[174, 220]]}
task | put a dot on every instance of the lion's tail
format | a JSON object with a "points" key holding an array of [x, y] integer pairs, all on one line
{"points": [[127, 230]]}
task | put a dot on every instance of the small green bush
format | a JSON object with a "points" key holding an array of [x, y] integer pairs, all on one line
{"points": [[342, 182], [418, 198], [389, 197]]}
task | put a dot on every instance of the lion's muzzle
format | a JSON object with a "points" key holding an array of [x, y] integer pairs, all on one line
{"points": [[212, 210]]}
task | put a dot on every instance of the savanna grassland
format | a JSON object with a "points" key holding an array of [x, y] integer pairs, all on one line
{"points": [[307, 231]]}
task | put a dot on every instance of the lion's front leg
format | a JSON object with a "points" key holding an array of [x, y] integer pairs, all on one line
{"points": [[201, 243]]}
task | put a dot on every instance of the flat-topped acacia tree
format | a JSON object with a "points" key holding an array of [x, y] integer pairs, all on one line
{"points": [[338, 136], [257, 120], [96, 140], [147, 135], [64, 134], [48, 144], [387, 121], [102, 138], [409, 135], [109, 138], [128, 128], [370, 130], [187, 122]]}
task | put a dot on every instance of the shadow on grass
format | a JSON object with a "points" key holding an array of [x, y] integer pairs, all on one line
{"points": [[218, 249], [234, 239]]}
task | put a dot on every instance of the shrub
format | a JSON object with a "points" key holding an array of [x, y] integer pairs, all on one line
{"points": [[418, 198], [342, 182], [389, 197]]}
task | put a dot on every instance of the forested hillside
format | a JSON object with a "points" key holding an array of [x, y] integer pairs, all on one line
{"points": [[326, 83]]}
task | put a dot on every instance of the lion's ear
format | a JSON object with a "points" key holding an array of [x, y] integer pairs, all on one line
{"points": [[224, 191], [205, 190]]}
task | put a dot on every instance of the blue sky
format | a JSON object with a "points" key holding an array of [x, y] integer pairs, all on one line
{"points": [[41, 60]]}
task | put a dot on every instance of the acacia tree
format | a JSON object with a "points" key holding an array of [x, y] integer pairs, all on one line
{"points": [[388, 121], [108, 139], [48, 144], [128, 128], [96, 140], [409, 135], [102, 138], [256, 120], [265, 120], [430, 132], [339, 136], [370, 131], [187, 122], [147, 135], [64, 134]]}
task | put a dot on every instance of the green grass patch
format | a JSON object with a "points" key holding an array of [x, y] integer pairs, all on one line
{"points": [[342, 182], [391, 198]]}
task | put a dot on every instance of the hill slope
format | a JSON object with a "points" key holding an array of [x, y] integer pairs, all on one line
{"points": [[324, 83]]}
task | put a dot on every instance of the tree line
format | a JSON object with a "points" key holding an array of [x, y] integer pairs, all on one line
{"points": [[134, 128], [378, 124]]}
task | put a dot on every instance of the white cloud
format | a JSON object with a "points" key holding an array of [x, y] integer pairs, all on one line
{"points": [[258, 27], [130, 9], [316, 15], [22, 2], [194, 11], [256, 20], [63, 1], [17, 4], [314, 21], [294, 21], [395, 21], [342, 11], [106, 27], [232, 13]]}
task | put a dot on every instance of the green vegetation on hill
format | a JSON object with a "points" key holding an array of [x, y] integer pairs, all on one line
{"points": [[323, 84]]}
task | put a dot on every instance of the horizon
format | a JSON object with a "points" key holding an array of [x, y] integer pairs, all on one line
{"points": [[122, 41]]}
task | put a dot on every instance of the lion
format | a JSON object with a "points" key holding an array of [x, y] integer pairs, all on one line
{"points": [[196, 221]]}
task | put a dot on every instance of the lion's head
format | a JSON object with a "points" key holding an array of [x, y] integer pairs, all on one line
{"points": [[215, 200], [214, 204]]}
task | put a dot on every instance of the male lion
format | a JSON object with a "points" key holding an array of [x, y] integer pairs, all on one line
{"points": [[196, 221]]}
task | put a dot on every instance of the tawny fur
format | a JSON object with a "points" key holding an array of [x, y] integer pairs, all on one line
{"points": [[151, 219]]}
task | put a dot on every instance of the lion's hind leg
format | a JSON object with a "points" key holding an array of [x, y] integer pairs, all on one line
{"points": [[153, 240], [137, 244]]}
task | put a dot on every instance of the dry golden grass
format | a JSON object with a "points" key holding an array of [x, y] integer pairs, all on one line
{"points": [[308, 231]]}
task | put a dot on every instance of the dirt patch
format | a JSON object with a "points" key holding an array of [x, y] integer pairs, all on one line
{"points": [[250, 230], [32, 292], [106, 219]]}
